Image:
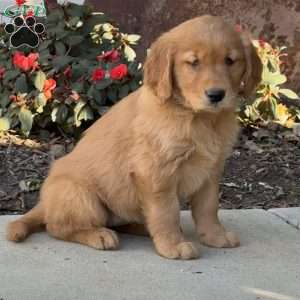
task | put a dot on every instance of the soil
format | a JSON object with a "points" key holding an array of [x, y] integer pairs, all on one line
{"points": [[263, 171]]}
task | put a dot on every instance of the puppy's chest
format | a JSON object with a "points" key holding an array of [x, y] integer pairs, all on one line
{"points": [[206, 159], [193, 173]]}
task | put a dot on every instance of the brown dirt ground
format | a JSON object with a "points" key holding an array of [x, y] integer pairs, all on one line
{"points": [[263, 171]]}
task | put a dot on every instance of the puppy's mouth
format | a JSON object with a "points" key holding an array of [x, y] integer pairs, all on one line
{"points": [[216, 107]]}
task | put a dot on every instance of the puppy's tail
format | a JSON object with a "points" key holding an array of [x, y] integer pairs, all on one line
{"points": [[33, 221]]}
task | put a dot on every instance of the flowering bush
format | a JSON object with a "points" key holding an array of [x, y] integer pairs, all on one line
{"points": [[268, 104], [83, 65]]}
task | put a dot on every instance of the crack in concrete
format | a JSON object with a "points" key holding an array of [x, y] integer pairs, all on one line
{"points": [[295, 224]]}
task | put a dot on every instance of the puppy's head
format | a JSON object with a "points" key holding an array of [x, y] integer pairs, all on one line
{"points": [[203, 64]]}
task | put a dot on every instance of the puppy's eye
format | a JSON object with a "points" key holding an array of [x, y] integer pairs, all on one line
{"points": [[194, 63], [229, 61]]}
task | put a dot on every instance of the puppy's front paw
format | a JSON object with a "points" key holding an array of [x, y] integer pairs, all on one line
{"points": [[104, 239], [221, 239], [183, 250]]}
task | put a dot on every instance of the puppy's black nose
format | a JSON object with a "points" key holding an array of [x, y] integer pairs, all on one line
{"points": [[215, 95]]}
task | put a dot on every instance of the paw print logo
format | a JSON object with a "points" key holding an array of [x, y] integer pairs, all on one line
{"points": [[24, 32]]}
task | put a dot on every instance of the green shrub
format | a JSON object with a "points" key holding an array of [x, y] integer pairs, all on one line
{"points": [[83, 65], [268, 106]]}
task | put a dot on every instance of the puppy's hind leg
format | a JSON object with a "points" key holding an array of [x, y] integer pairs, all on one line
{"points": [[33, 221], [77, 215]]}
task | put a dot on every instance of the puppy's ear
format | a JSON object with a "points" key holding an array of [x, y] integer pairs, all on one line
{"points": [[253, 73], [158, 69]]}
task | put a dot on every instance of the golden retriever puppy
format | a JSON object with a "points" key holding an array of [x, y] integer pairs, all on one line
{"points": [[165, 142]]}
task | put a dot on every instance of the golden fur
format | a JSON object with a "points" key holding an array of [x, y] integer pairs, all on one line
{"points": [[163, 143]]}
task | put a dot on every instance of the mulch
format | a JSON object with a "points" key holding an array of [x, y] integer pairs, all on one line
{"points": [[263, 171]]}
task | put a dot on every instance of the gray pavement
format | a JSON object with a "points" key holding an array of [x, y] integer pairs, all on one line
{"points": [[291, 215], [266, 266]]}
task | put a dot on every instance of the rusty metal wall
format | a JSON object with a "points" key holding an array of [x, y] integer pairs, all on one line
{"points": [[277, 21]]}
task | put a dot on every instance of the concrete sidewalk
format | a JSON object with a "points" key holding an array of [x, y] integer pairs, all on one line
{"points": [[266, 266]]}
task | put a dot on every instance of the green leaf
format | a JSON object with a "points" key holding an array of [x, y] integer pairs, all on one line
{"points": [[40, 101], [273, 105], [107, 27], [274, 89], [79, 106], [73, 21], [77, 109], [134, 85], [44, 57], [55, 15], [86, 114], [251, 113], [92, 21], [90, 92], [21, 84], [39, 80], [77, 72], [133, 68], [54, 114], [61, 62], [59, 114], [76, 10], [73, 40], [98, 97], [26, 119], [101, 85], [11, 74], [44, 45], [112, 95], [4, 99], [77, 86], [102, 110], [4, 124], [129, 53], [133, 38], [273, 78], [255, 43], [108, 36], [124, 90], [61, 33], [289, 93], [60, 48]]}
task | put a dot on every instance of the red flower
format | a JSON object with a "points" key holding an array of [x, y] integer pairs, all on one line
{"points": [[98, 74], [18, 56], [68, 72], [112, 56], [32, 60], [25, 63], [20, 2], [2, 72], [119, 72], [49, 86]]}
